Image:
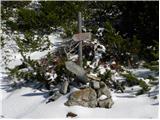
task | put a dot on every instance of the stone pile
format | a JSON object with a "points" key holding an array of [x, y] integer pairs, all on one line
{"points": [[89, 97]]}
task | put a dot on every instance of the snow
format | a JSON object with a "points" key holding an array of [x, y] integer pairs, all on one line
{"points": [[73, 57], [52, 76], [113, 63], [102, 69], [119, 78], [27, 102], [11, 19], [100, 29], [102, 97], [54, 39], [30, 103], [143, 72]]}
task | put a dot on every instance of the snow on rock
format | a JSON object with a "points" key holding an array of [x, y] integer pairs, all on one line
{"points": [[102, 97], [73, 58]]}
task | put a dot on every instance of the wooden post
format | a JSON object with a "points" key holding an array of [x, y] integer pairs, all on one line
{"points": [[80, 44]]}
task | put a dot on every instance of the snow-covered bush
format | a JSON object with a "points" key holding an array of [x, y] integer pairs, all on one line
{"points": [[106, 76], [35, 71], [151, 78], [131, 79], [32, 43], [152, 66], [144, 87]]}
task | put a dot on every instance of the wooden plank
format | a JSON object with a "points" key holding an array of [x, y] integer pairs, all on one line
{"points": [[93, 77], [81, 36]]}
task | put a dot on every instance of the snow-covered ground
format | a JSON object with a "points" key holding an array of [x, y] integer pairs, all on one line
{"points": [[27, 102], [30, 103]]}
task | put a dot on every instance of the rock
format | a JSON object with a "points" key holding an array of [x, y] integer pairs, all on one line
{"points": [[70, 114], [2, 116], [95, 84], [64, 87], [106, 103], [103, 90], [86, 97], [54, 97], [77, 70]]}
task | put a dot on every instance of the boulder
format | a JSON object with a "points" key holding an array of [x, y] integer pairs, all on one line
{"points": [[106, 103], [95, 84], [71, 114], [86, 97], [103, 90], [77, 70], [64, 87]]}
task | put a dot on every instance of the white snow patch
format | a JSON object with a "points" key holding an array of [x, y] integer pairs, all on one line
{"points": [[102, 69], [102, 97]]}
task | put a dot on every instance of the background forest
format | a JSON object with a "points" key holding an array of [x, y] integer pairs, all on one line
{"points": [[129, 29]]}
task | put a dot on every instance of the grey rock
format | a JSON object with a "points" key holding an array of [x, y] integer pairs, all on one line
{"points": [[64, 87], [77, 70], [54, 97], [103, 90], [95, 84], [106, 103], [86, 97]]}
